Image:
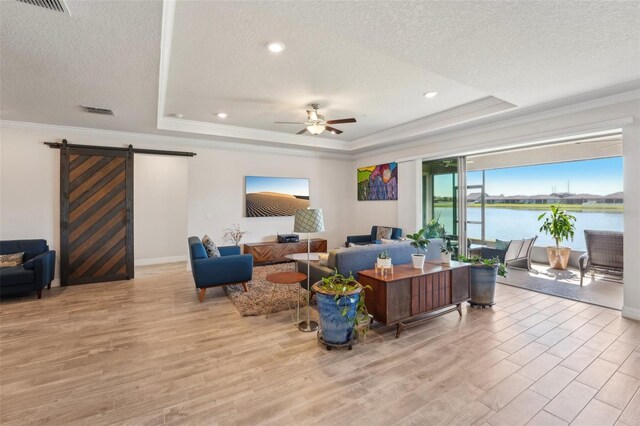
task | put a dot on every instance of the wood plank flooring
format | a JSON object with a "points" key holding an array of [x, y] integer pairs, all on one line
{"points": [[146, 352]]}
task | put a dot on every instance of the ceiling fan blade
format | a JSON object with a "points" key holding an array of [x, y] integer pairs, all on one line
{"points": [[342, 120], [289, 122], [313, 114], [302, 131], [333, 130]]}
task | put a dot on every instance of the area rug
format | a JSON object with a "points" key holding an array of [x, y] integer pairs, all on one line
{"points": [[566, 284], [257, 300]]}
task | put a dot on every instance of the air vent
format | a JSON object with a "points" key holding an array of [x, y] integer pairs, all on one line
{"points": [[96, 110], [55, 5]]}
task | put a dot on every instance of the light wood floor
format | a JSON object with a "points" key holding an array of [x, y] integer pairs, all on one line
{"points": [[146, 352]]}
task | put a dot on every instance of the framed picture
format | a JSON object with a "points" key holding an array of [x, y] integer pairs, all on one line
{"points": [[378, 182], [275, 196]]}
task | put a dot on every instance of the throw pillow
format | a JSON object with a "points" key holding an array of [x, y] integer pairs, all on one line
{"points": [[323, 258], [383, 232], [11, 260], [210, 247], [502, 245]]}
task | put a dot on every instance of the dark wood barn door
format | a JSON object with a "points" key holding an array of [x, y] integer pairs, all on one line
{"points": [[96, 203]]}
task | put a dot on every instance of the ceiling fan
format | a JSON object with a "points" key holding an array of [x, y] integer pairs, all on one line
{"points": [[316, 123]]}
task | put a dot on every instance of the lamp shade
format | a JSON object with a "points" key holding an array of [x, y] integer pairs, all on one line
{"points": [[309, 220]]}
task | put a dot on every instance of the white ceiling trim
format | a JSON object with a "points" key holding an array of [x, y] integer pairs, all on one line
{"points": [[174, 141], [166, 38], [522, 116], [248, 134], [463, 113]]}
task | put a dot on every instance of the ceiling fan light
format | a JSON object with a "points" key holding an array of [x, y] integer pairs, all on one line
{"points": [[315, 129]]}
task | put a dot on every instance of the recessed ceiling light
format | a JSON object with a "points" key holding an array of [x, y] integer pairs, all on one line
{"points": [[430, 94], [222, 115], [275, 47]]}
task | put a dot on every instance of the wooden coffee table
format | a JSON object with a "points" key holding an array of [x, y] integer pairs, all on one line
{"points": [[285, 278]]}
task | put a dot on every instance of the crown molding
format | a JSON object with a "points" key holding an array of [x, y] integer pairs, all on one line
{"points": [[245, 134], [441, 120], [166, 40], [176, 141], [616, 95]]}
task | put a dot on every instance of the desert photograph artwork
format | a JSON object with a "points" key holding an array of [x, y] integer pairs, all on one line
{"points": [[275, 196]]}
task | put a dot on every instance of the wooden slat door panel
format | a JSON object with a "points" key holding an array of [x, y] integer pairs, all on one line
{"points": [[96, 215]]}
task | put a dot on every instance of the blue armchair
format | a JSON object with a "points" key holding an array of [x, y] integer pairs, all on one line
{"points": [[230, 268], [34, 274], [371, 238]]}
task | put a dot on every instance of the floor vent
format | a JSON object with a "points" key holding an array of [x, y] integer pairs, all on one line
{"points": [[96, 110], [55, 5]]}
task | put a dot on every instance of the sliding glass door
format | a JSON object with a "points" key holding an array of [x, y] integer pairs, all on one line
{"points": [[441, 201]]}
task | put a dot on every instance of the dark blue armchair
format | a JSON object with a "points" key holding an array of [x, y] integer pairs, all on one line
{"points": [[371, 238], [34, 274], [230, 268]]}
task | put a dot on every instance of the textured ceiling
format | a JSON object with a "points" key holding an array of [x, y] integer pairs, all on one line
{"points": [[106, 54], [219, 62], [371, 60]]}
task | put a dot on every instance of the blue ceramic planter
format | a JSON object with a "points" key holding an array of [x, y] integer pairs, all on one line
{"points": [[336, 329], [483, 285]]}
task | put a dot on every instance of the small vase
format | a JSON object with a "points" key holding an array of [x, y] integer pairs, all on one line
{"points": [[445, 258]]}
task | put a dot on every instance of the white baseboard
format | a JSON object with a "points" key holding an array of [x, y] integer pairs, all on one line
{"points": [[55, 282], [160, 260], [631, 313]]}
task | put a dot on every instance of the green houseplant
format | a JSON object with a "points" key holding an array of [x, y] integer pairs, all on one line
{"points": [[420, 242], [445, 254], [483, 277], [560, 226], [343, 313], [384, 260]]}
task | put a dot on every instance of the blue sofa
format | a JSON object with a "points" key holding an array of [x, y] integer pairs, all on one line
{"points": [[230, 268], [353, 259], [371, 238], [34, 274]]}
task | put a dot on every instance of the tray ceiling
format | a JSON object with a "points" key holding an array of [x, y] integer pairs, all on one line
{"points": [[151, 60]]}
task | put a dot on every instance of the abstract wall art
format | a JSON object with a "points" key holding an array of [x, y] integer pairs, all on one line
{"points": [[378, 182]]}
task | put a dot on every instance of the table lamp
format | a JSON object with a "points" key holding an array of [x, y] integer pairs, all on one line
{"points": [[309, 220]]}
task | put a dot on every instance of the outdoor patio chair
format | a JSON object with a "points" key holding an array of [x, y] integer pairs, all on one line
{"points": [[517, 254], [604, 253]]}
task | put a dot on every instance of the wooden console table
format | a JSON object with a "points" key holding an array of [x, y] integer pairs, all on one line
{"points": [[274, 252], [411, 296]]}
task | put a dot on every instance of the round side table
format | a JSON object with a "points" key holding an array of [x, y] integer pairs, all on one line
{"points": [[285, 278]]}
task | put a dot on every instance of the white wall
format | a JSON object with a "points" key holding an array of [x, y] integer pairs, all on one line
{"points": [[174, 197], [631, 150], [160, 187], [216, 193]]}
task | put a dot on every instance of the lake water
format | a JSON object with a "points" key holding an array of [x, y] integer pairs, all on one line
{"points": [[513, 224]]}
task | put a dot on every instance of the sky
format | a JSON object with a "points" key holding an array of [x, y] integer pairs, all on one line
{"points": [[289, 186], [600, 177]]}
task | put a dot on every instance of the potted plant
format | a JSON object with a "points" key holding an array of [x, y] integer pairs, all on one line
{"points": [[435, 229], [342, 310], [560, 226], [445, 254], [384, 260], [418, 241], [483, 275]]}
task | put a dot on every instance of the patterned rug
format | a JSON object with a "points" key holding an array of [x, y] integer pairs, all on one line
{"points": [[256, 301]]}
